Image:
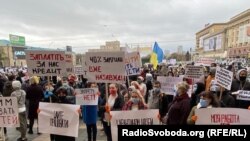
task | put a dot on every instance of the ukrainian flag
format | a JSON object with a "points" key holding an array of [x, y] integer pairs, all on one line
{"points": [[157, 55]]}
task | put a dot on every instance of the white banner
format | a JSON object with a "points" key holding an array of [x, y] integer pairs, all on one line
{"points": [[195, 72], [45, 63], [169, 83], [204, 61], [224, 78], [78, 70], [133, 63], [9, 112], [69, 63], [88, 96], [222, 116], [243, 95], [139, 117], [60, 119], [106, 67]]}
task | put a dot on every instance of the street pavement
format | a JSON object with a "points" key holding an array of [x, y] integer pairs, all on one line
{"points": [[13, 134]]}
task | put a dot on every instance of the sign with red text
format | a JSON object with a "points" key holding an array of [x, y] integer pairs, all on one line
{"points": [[138, 117], [243, 95], [88, 96], [45, 63], [9, 112], [60, 120], [133, 63], [78, 70], [168, 84], [224, 78], [195, 72], [105, 67], [222, 116], [69, 63]]}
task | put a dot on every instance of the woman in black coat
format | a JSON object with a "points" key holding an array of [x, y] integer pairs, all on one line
{"points": [[34, 96]]}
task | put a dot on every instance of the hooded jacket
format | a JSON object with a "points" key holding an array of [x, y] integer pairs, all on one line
{"points": [[20, 95], [8, 89]]}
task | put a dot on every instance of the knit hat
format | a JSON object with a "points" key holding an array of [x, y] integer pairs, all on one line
{"points": [[16, 84]]}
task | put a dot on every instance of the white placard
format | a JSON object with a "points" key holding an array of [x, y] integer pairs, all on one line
{"points": [[243, 95], [88, 96], [222, 116], [9, 112], [139, 117], [195, 72], [204, 61], [69, 63], [106, 67], [133, 63], [169, 83], [78, 70], [224, 78], [45, 63], [58, 119]]}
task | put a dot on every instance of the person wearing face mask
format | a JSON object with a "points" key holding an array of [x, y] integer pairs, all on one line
{"points": [[136, 102], [240, 83], [143, 87], [207, 100], [197, 89], [48, 93], [179, 108], [227, 99], [114, 102]]}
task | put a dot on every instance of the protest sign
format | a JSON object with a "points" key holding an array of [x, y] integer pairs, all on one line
{"points": [[88, 96], [45, 63], [168, 84], [133, 63], [140, 117], [204, 61], [69, 63], [106, 67], [78, 70], [222, 116], [9, 112], [243, 95], [194, 72], [59, 120], [224, 78]]}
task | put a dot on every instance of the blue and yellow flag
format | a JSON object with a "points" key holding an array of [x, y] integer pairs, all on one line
{"points": [[157, 55]]}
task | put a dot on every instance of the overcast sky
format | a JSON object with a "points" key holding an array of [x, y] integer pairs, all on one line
{"points": [[85, 24]]}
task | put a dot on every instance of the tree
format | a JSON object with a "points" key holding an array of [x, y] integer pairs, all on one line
{"points": [[2, 57]]}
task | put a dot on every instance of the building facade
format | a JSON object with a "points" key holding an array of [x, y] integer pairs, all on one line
{"points": [[223, 40]]}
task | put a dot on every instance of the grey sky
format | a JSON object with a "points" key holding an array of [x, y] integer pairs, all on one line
{"points": [[86, 24]]}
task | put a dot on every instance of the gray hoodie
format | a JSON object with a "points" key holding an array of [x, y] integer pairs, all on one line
{"points": [[20, 94]]}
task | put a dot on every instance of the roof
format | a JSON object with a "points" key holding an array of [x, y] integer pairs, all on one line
{"points": [[210, 27]]}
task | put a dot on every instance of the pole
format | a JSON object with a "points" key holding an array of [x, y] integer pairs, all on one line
{"points": [[221, 91], [107, 106], [128, 81]]}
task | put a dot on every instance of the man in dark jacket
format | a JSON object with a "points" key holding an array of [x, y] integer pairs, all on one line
{"points": [[8, 89]]}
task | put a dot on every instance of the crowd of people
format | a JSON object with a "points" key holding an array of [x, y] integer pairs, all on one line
{"points": [[140, 92]]}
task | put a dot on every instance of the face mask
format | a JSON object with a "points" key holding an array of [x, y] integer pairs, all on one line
{"points": [[195, 88], [112, 92], [139, 81], [215, 88], [135, 100], [243, 78], [157, 90], [204, 103]]}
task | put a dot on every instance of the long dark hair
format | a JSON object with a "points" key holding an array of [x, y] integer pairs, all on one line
{"points": [[214, 100]]}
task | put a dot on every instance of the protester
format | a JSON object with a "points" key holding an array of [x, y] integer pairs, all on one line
{"points": [[20, 95], [210, 77], [207, 100], [179, 108], [136, 102], [197, 89]]}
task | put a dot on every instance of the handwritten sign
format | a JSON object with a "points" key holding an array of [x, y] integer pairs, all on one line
{"points": [[86, 96], [169, 83], [194, 72], [69, 63], [106, 67], [224, 78], [140, 117], [133, 63], [222, 116], [9, 112], [45, 63], [204, 61], [60, 120], [243, 95], [78, 70]]}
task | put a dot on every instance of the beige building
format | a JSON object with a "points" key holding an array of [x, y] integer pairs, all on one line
{"points": [[222, 40]]}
